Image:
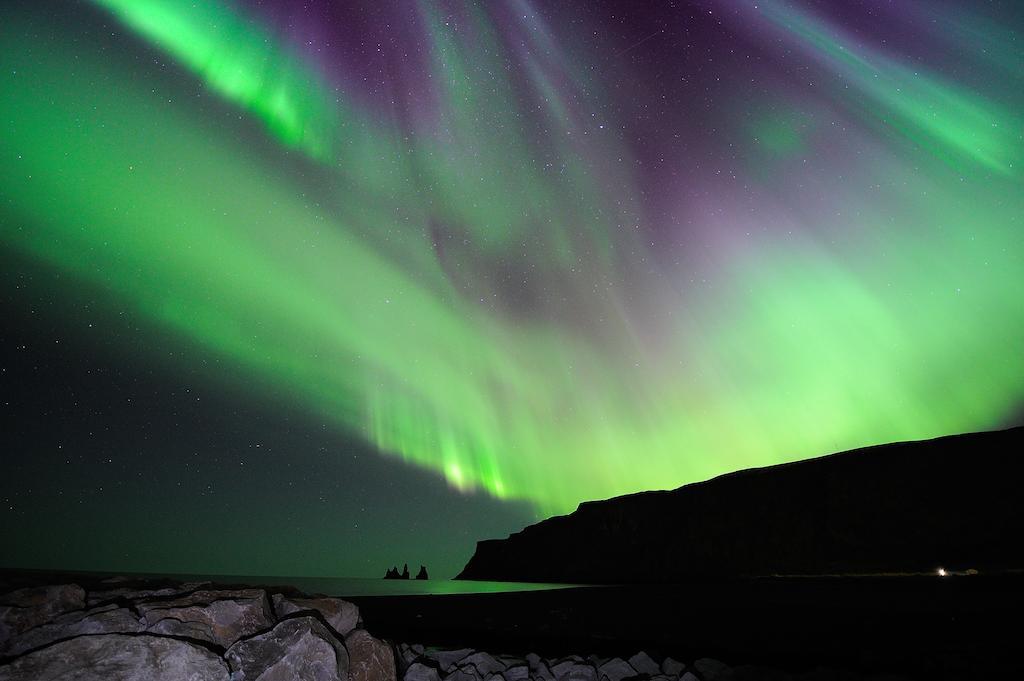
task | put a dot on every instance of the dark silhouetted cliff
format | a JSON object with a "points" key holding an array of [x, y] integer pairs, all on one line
{"points": [[955, 502]]}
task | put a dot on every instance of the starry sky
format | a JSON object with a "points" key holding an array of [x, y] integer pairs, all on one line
{"points": [[314, 288]]}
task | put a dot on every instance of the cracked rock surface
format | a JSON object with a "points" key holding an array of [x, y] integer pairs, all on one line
{"points": [[117, 656], [298, 648], [184, 632]]}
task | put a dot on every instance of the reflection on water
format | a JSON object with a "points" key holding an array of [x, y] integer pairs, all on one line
{"points": [[345, 586]]}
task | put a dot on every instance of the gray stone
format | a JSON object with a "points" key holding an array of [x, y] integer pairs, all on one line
{"points": [[341, 615], [484, 663], [115, 656], [643, 663], [569, 658], [710, 669], [467, 673], [26, 608], [688, 676], [124, 593], [220, 617], [407, 654], [616, 669], [559, 669], [54, 599], [300, 648], [368, 658], [470, 669], [421, 672], [108, 619], [539, 670], [517, 672], [447, 659], [673, 667], [579, 671]]}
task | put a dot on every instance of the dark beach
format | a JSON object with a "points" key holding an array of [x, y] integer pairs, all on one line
{"points": [[921, 627]]}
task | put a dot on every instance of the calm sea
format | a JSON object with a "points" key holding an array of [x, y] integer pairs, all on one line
{"points": [[347, 586]]}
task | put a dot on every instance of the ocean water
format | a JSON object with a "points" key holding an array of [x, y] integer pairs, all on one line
{"points": [[349, 586]]}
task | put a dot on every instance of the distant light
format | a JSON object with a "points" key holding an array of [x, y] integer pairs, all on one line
{"points": [[942, 572]]}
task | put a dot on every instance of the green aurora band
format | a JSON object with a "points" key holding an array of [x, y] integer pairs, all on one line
{"points": [[951, 122], [903, 319]]}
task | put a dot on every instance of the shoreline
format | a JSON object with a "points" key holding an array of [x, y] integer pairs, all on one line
{"points": [[856, 627]]}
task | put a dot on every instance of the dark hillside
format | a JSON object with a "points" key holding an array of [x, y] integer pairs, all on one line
{"points": [[907, 507]]}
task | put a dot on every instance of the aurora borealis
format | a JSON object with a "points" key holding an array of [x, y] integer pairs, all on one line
{"points": [[548, 252]]}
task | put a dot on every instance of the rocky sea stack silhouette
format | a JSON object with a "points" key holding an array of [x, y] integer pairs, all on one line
{"points": [[393, 573]]}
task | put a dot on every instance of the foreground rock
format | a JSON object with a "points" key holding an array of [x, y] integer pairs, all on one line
{"points": [[421, 672], [299, 648], [220, 617], [26, 608], [340, 615], [106, 619], [184, 632], [368, 658], [115, 656]]}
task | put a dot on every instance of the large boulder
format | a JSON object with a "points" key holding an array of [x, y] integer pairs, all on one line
{"points": [[615, 669], [368, 658], [484, 663], [115, 656], [447, 659], [539, 670], [220, 617], [26, 608], [510, 660], [467, 673], [297, 649], [672, 667], [107, 619], [341, 615], [574, 671], [516, 672], [421, 672], [407, 654], [643, 663]]}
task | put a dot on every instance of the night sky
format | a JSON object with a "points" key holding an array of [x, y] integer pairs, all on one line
{"points": [[314, 288]]}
